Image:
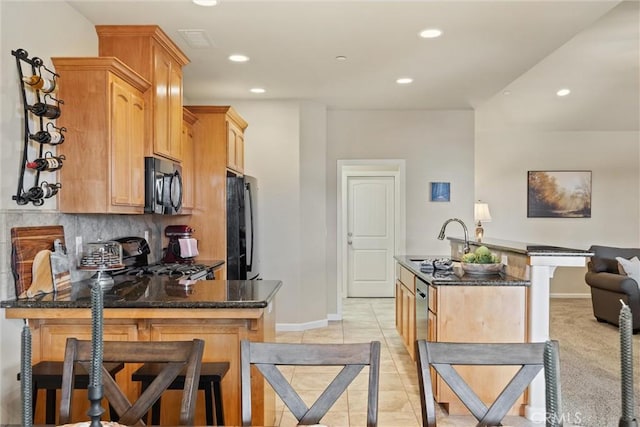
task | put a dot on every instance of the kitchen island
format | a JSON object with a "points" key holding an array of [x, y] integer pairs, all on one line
{"points": [[152, 308], [451, 306], [537, 263]]}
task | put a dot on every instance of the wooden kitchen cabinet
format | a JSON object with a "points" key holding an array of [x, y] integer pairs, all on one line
{"points": [[211, 137], [406, 307], [221, 329], [235, 146], [432, 334], [151, 53], [463, 313], [188, 167], [477, 314], [105, 118]]}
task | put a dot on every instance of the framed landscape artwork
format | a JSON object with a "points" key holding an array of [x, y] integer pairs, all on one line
{"points": [[559, 194], [440, 192]]}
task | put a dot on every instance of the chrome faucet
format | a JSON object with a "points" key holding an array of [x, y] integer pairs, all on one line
{"points": [[466, 233]]}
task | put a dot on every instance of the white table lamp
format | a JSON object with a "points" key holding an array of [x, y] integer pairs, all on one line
{"points": [[481, 213]]}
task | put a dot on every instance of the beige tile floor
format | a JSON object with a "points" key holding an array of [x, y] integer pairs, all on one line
{"points": [[366, 319]]}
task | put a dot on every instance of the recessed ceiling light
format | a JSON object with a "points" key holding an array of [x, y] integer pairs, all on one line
{"points": [[341, 58], [506, 93], [257, 90], [205, 2], [238, 58], [430, 33], [563, 92], [404, 80]]}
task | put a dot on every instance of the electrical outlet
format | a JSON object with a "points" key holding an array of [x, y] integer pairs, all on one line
{"points": [[78, 245], [505, 260]]}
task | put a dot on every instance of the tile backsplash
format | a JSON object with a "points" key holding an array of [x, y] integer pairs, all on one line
{"points": [[90, 227]]}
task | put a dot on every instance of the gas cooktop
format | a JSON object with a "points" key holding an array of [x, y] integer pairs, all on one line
{"points": [[174, 270]]}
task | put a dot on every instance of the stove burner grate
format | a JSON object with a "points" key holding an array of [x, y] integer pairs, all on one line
{"points": [[173, 270]]}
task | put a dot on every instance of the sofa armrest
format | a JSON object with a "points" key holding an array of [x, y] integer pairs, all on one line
{"points": [[613, 282]]}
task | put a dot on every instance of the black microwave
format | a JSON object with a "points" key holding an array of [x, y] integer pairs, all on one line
{"points": [[162, 186]]}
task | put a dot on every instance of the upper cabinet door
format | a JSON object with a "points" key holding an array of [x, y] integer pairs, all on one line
{"points": [[120, 129], [235, 147], [188, 167], [127, 136], [175, 112], [161, 103], [150, 52], [136, 149], [104, 150]]}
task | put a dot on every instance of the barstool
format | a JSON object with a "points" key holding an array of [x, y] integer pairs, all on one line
{"points": [[47, 375], [211, 374]]}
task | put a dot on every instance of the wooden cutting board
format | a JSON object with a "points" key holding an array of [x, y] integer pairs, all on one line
{"points": [[26, 242]]}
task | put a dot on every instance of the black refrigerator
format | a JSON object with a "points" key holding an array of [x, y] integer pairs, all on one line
{"points": [[242, 259]]}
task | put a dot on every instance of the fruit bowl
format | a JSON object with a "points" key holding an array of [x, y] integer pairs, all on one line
{"points": [[475, 268]]}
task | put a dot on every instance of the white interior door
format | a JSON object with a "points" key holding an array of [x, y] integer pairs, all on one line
{"points": [[370, 236]]}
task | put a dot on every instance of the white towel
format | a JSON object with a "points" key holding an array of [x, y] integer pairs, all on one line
{"points": [[188, 248]]}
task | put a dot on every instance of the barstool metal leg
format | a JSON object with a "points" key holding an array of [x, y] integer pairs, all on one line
{"points": [[51, 407], [217, 395]]}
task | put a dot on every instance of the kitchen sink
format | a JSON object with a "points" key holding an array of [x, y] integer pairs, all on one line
{"points": [[431, 261], [417, 262]]}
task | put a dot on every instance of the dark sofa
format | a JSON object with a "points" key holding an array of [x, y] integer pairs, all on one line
{"points": [[608, 286]]}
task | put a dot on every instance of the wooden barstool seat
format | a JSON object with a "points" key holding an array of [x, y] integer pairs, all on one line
{"points": [[47, 375], [211, 374]]}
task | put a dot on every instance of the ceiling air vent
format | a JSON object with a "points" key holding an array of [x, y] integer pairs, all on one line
{"points": [[196, 38]]}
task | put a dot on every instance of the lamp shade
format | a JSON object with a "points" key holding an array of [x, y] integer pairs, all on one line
{"points": [[481, 212]]}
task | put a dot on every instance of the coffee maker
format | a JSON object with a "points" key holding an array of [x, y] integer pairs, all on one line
{"points": [[182, 247]]}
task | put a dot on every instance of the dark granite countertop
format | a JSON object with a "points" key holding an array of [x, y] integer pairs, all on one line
{"points": [[161, 292], [213, 263], [530, 249], [457, 276]]}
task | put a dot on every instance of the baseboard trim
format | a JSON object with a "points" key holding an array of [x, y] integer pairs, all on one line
{"points": [[293, 327], [334, 317], [570, 295]]}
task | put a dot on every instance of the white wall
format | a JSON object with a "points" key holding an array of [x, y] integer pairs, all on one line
{"points": [[503, 157], [293, 149], [285, 149], [272, 155], [313, 203], [437, 146], [43, 29]]}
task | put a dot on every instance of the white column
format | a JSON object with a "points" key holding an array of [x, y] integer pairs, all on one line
{"points": [[538, 332], [542, 269]]}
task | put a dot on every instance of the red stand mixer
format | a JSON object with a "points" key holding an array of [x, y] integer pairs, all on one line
{"points": [[182, 247]]}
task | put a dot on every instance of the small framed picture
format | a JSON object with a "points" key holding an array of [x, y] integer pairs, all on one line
{"points": [[440, 192]]}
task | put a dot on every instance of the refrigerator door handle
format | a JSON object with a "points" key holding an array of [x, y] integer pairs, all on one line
{"points": [[250, 200]]}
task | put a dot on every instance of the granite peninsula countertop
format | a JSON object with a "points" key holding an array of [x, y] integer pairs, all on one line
{"points": [[160, 292], [456, 277], [530, 249]]}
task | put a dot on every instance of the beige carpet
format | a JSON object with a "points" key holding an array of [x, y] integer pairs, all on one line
{"points": [[590, 364]]}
